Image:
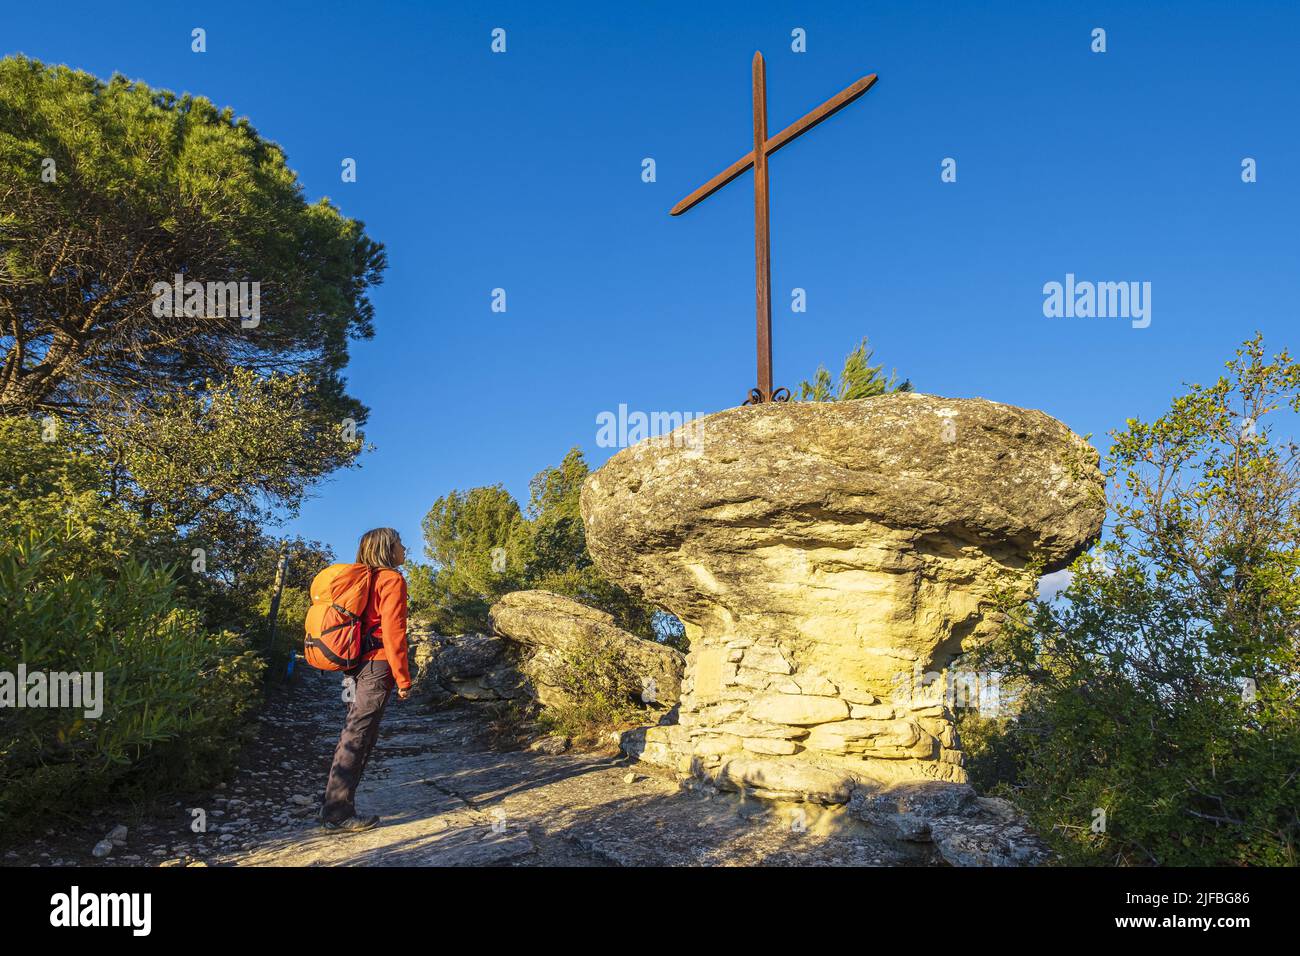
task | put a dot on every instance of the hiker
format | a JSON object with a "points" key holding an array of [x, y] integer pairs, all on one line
{"points": [[384, 665]]}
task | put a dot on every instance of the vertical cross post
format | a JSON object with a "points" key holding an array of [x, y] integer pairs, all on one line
{"points": [[763, 148], [762, 243]]}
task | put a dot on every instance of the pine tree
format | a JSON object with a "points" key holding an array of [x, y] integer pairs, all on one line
{"points": [[858, 379]]}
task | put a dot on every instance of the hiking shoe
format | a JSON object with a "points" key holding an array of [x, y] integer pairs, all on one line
{"points": [[351, 824]]}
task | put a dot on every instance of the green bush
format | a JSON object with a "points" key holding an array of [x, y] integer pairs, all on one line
{"points": [[989, 746], [53, 475], [174, 696], [601, 690], [858, 379], [1158, 721]]}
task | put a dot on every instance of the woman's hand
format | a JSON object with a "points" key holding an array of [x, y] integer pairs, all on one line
{"points": [[403, 693]]}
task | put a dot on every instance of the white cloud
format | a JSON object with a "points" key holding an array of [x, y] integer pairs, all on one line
{"points": [[1051, 585]]}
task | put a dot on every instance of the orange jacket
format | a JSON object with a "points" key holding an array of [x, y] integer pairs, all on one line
{"points": [[386, 610]]}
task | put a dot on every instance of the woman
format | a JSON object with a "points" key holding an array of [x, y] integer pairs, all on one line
{"points": [[382, 668]]}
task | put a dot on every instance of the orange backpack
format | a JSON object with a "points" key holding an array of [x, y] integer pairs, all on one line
{"points": [[339, 596]]}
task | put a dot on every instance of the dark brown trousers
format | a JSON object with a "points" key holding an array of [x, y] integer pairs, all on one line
{"points": [[374, 682]]}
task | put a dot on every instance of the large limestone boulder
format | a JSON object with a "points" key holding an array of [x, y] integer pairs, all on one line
{"points": [[825, 558], [469, 667], [536, 636], [552, 628]]}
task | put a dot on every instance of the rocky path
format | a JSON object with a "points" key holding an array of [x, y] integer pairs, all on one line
{"points": [[447, 798]]}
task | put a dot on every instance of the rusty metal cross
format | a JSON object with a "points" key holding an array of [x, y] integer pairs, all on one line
{"points": [[763, 148]]}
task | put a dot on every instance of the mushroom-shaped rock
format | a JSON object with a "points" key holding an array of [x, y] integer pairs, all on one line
{"points": [[826, 558]]}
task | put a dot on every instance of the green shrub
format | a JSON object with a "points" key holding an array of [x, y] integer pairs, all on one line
{"points": [[858, 379], [1159, 722], [174, 697], [600, 689], [53, 475], [991, 755]]}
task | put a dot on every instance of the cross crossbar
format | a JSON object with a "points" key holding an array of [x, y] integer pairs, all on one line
{"points": [[802, 125]]}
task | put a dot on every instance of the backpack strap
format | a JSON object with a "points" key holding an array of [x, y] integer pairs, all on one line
{"points": [[343, 663], [368, 640]]}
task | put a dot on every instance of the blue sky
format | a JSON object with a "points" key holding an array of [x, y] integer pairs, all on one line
{"points": [[522, 171]]}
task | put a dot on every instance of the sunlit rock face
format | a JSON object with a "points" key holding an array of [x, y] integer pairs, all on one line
{"points": [[536, 637], [550, 628], [821, 556]]}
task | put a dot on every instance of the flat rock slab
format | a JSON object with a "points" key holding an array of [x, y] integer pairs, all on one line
{"points": [[409, 841]]}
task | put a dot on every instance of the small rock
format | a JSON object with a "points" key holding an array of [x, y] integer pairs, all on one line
{"points": [[629, 778], [552, 745], [102, 849], [302, 801]]}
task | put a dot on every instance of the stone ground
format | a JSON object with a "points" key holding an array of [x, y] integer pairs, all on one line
{"points": [[447, 798]]}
